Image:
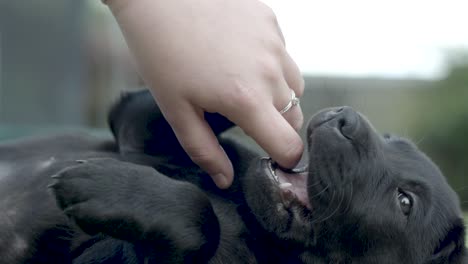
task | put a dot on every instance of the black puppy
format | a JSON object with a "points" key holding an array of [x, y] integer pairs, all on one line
{"points": [[364, 198]]}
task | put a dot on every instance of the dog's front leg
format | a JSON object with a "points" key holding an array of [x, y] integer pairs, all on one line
{"points": [[168, 221]]}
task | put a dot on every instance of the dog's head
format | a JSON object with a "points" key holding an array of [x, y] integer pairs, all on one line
{"points": [[364, 198]]}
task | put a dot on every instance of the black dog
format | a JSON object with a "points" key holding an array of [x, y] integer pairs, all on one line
{"points": [[364, 198]]}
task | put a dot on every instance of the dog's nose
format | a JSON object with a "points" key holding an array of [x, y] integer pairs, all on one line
{"points": [[344, 118], [334, 112]]}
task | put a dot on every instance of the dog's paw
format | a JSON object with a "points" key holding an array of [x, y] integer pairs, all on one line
{"points": [[101, 195], [136, 203]]}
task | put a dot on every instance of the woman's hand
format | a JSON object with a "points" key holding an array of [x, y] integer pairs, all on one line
{"points": [[224, 56]]}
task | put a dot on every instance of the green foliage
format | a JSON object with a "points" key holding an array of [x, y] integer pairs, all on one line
{"points": [[466, 224], [445, 122]]}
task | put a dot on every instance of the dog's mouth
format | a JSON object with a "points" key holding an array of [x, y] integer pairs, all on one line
{"points": [[292, 183]]}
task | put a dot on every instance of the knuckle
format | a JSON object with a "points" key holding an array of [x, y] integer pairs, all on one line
{"points": [[242, 97], [269, 69], [201, 156], [300, 86], [276, 46], [296, 81]]}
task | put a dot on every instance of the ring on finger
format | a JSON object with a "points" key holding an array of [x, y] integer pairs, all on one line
{"points": [[293, 101]]}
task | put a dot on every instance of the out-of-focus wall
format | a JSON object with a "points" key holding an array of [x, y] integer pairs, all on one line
{"points": [[41, 60], [62, 62]]}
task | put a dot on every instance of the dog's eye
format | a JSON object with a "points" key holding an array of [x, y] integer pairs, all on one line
{"points": [[405, 201]]}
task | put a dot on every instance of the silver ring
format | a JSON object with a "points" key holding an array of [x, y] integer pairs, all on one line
{"points": [[292, 102]]}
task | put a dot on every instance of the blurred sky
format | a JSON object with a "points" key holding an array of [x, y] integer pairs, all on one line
{"points": [[397, 38]]}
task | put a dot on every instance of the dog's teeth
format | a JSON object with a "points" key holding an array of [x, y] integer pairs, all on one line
{"points": [[287, 196], [285, 185], [272, 168]]}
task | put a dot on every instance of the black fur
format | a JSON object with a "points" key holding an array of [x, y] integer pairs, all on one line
{"points": [[139, 198]]}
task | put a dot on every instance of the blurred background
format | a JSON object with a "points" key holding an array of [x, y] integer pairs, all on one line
{"points": [[404, 64]]}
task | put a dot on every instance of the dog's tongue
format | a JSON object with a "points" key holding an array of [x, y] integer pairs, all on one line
{"points": [[295, 182]]}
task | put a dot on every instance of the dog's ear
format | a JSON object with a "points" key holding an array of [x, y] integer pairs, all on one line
{"points": [[139, 126], [451, 249]]}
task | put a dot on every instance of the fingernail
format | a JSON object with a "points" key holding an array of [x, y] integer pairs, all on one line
{"points": [[220, 180]]}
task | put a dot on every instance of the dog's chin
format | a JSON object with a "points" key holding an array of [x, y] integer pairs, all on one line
{"points": [[279, 200]]}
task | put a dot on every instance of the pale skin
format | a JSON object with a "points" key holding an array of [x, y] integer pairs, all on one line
{"points": [[223, 56]]}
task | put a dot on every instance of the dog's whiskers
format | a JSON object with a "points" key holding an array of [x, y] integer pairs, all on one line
{"points": [[332, 213], [350, 198], [320, 193], [312, 185]]}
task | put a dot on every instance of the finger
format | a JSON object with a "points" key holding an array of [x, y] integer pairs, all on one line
{"points": [[293, 75], [294, 115], [280, 32], [200, 143], [273, 133]]}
